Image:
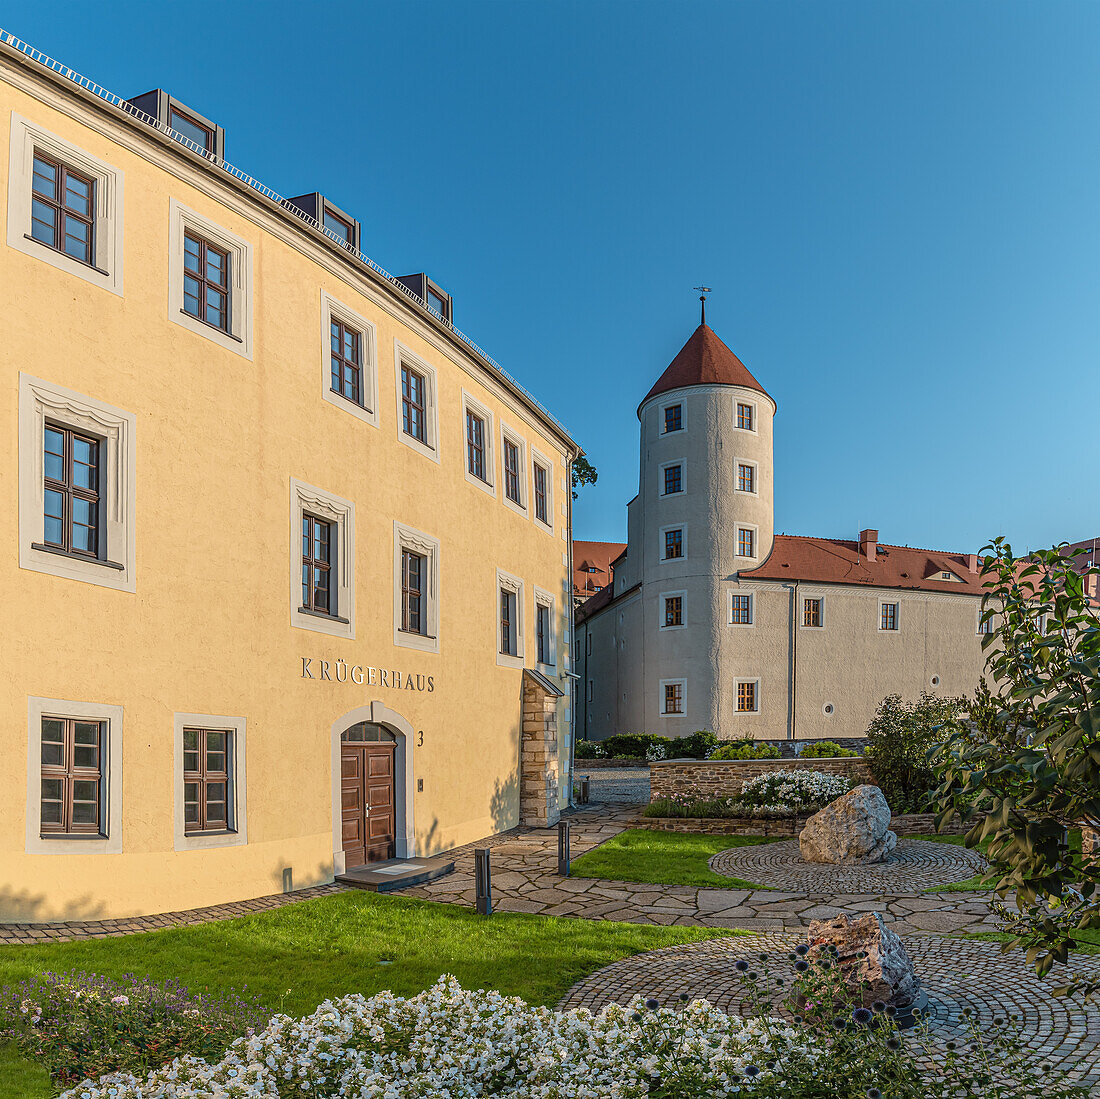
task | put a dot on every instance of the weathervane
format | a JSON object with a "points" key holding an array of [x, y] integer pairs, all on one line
{"points": [[703, 292]]}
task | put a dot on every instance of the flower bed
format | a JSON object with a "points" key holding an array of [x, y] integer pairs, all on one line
{"points": [[772, 796], [448, 1043]]}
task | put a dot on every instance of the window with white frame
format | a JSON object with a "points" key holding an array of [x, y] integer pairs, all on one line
{"points": [[417, 402], [813, 612], [513, 460], [322, 561], [985, 622], [77, 480], [542, 489], [349, 360], [673, 418], [672, 478], [64, 206], [545, 643], [510, 626], [415, 589], [748, 696], [209, 280], [888, 616], [673, 610], [477, 426], [746, 477], [741, 609], [745, 416], [746, 541], [74, 781], [210, 787], [673, 697], [673, 543]]}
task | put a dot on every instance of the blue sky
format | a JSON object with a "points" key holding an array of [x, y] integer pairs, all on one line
{"points": [[897, 205]]}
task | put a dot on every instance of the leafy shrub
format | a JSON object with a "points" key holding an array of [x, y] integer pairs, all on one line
{"points": [[685, 807], [899, 742], [745, 749], [632, 745], [589, 749], [79, 1025], [794, 791], [824, 749], [697, 746]]}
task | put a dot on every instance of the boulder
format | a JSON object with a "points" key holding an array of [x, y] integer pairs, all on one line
{"points": [[872, 960], [853, 829]]}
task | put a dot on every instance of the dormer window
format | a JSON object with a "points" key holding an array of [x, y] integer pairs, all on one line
{"points": [[338, 225], [437, 302], [433, 296], [190, 127], [341, 227]]}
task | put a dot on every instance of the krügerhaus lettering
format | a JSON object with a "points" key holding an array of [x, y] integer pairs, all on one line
{"points": [[339, 671]]}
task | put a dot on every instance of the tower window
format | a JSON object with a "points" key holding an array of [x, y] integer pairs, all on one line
{"points": [[673, 418], [674, 481], [748, 698], [746, 477], [741, 610], [674, 610], [746, 417], [674, 544], [674, 698], [746, 542]]}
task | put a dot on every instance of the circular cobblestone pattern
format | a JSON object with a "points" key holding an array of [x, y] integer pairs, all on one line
{"points": [[956, 973], [912, 866]]}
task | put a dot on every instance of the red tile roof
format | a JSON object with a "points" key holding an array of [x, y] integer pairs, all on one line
{"points": [[596, 556], [835, 561], [704, 360]]}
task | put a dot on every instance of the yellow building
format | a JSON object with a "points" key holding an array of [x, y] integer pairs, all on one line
{"points": [[285, 558]]}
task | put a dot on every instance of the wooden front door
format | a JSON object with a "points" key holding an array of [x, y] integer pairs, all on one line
{"points": [[367, 802]]}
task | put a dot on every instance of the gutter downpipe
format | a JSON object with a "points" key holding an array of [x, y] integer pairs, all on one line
{"points": [[793, 692], [572, 627]]}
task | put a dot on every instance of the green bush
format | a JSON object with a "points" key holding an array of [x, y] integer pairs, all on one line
{"points": [[899, 741], [824, 749], [588, 749], [633, 745], [697, 746], [745, 749]]}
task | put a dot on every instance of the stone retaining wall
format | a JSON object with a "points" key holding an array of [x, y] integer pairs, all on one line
{"points": [[604, 764], [724, 778], [904, 824]]}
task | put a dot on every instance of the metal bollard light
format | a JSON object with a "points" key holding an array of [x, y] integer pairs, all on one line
{"points": [[563, 848], [483, 881], [584, 790]]}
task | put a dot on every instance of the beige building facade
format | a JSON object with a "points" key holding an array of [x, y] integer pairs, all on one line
{"points": [[714, 622], [285, 558]]}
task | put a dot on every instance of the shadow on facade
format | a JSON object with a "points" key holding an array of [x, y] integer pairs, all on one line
{"points": [[27, 907]]}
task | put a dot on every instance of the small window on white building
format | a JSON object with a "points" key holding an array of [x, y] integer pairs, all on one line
{"points": [[746, 416], [813, 613], [672, 610], [740, 609], [888, 619], [746, 541], [748, 696], [673, 701], [746, 477]]}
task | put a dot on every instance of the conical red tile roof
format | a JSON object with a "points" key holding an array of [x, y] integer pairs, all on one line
{"points": [[704, 360]]}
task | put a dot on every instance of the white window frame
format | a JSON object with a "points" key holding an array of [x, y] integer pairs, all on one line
{"points": [[978, 626], [682, 712], [512, 436], [545, 599], [755, 466], [682, 463], [106, 270], [755, 542], [403, 355], [802, 613], [238, 338], [333, 309], [341, 513], [755, 406], [661, 432], [751, 624], [897, 615], [239, 836], [111, 778], [472, 404], [540, 459], [515, 585], [661, 627], [682, 527], [406, 537], [755, 680], [41, 400]]}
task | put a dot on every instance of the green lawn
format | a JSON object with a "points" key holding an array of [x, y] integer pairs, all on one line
{"points": [[663, 858], [292, 958]]}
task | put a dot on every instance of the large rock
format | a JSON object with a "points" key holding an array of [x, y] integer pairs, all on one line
{"points": [[853, 829], [872, 959]]}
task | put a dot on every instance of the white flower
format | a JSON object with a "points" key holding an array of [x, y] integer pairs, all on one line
{"points": [[122, 1001]]}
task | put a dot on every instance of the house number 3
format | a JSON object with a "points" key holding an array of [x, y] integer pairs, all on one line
{"points": [[420, 738]]}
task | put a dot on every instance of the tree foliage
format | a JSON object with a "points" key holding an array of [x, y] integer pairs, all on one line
{"points": [[584, 473], [1026, 769]]}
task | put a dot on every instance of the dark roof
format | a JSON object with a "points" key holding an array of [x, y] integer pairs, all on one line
{"points": [[835, 561], [704, 360], [594, 603]]}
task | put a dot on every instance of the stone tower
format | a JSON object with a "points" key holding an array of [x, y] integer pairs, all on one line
{"points": [[702, 514]]}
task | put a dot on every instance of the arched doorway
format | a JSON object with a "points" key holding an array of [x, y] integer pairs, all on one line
{"points": [[372, 761], [368, 826]]}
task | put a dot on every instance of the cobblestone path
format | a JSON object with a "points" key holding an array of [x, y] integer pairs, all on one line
{"points": [[956, 974], [912, 866]]}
